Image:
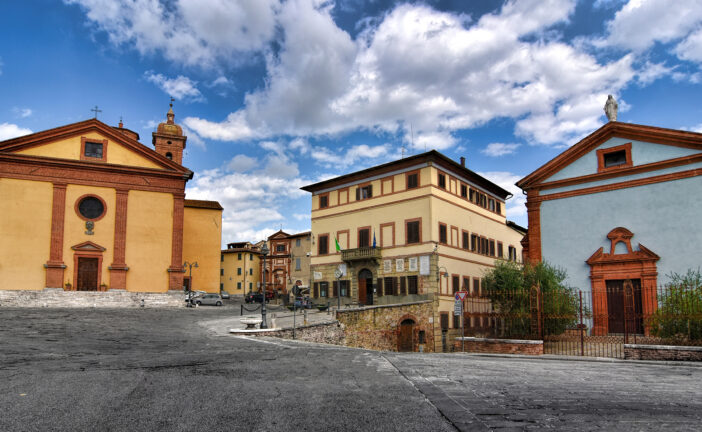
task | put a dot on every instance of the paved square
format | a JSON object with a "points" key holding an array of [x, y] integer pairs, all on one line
{"points": [[91, 369]]}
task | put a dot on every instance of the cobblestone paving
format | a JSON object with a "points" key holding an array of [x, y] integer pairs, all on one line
{"points": [[483, 393]]}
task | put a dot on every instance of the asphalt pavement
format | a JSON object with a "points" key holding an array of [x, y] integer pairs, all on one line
{"points": [[180, 370]]}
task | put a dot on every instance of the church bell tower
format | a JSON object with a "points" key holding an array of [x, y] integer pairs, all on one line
{"points": [[168, 140]]}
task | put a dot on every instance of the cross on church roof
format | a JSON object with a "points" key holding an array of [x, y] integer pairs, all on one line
{"points": [[96, 110], [172, 100]]}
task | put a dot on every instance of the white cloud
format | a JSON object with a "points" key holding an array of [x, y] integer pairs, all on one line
{"points": [[641, 23], [22, 112], [432, 70], [506, 180], [242, 163], [343, 160], [302, 216], [436, 72], [190, 32], [691, 47], [9, 131], [249, 198], [301, 145], [650, 72], [499, 149], [180, 87]]}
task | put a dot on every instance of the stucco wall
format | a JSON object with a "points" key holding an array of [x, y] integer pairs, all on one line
{"points": [[641, 153], [149, 238], [663, 217], [202, 237], [25, 233], [230, 276], [69, 148]]}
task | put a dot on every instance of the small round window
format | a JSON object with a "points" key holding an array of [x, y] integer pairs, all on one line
{"points": [[91, 208]]}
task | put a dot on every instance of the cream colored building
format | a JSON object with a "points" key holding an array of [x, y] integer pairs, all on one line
{"points": [[420, 228], [240, 268]]}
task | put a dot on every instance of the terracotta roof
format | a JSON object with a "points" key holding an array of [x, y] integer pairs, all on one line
{"points": [[430, 156], [214, 205]]}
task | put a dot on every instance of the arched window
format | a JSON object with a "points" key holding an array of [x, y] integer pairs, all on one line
{"points": [[169, 156]]}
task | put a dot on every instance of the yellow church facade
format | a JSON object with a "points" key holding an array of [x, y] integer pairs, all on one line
{"points": [[87, 207]]}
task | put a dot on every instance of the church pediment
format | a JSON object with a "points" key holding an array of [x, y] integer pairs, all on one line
{"points": [[621, 236], [546, 174], [90, 141], [88, 246]]}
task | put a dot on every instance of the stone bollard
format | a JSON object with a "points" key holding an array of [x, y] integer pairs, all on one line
{"points": [[305, 313]]}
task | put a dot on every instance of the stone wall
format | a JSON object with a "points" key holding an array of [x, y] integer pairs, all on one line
{"points": [[114, 298], [500, 346], [662, 352], [378, 327], [327, 333]]}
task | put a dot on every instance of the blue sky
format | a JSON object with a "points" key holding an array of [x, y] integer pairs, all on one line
{"points": [[277, 94]]}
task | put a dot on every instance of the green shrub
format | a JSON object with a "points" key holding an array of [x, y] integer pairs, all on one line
{"points": [[679, 316], [509, 288]]}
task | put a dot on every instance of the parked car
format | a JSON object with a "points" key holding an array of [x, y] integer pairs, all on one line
{"points": [[209, 299], [257, 297], [225, 295], [195, 294]]}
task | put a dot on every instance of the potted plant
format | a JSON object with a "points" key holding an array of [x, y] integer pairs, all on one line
{"points": [[103, 286], [69, 286]]}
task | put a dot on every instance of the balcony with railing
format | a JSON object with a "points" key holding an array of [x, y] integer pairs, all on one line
{"points": [[361, 254]]}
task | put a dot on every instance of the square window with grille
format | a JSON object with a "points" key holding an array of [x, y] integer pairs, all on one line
{"points": [[93, 150], [324, 289], [389, 286]]}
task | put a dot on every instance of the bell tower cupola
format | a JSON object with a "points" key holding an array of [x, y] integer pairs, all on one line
{"points": [[168, 140]]}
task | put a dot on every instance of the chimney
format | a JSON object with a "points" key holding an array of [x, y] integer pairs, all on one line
{"points": [[463, 162]]}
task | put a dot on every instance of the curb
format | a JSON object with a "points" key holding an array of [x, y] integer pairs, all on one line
{"points": [[552, 357]]}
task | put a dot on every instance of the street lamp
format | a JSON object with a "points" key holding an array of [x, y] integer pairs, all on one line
{"points": [[264, 252], [338, 273], [187, 265]]}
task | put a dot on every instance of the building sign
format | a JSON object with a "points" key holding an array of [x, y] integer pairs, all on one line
{"points": [[387, 266], [317, 275], [400, 265], [424, 265], [413, 264]]}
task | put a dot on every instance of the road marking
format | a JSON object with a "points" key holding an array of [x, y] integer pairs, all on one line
{"points": [[264, 341]]}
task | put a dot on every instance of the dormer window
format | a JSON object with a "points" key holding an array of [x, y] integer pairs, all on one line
{"points": [[614, 158]]}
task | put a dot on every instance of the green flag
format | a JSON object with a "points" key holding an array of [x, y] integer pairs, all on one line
{"points": [[338, 248]]}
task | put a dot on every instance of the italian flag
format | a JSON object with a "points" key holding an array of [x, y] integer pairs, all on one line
{"points": [[338, 248]]}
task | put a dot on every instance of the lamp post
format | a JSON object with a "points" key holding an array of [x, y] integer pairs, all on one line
{"points": [[338, 275], [187, 265], [264, 252]]}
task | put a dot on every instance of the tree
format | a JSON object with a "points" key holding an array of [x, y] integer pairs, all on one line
{"points": [[679, 316], [512, 290]]}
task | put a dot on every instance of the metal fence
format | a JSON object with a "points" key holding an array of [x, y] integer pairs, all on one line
{"points": [[589, 323]]}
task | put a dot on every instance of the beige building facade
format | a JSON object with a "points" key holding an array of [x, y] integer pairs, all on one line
{"points": [[240, 268], [416, 229]]}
